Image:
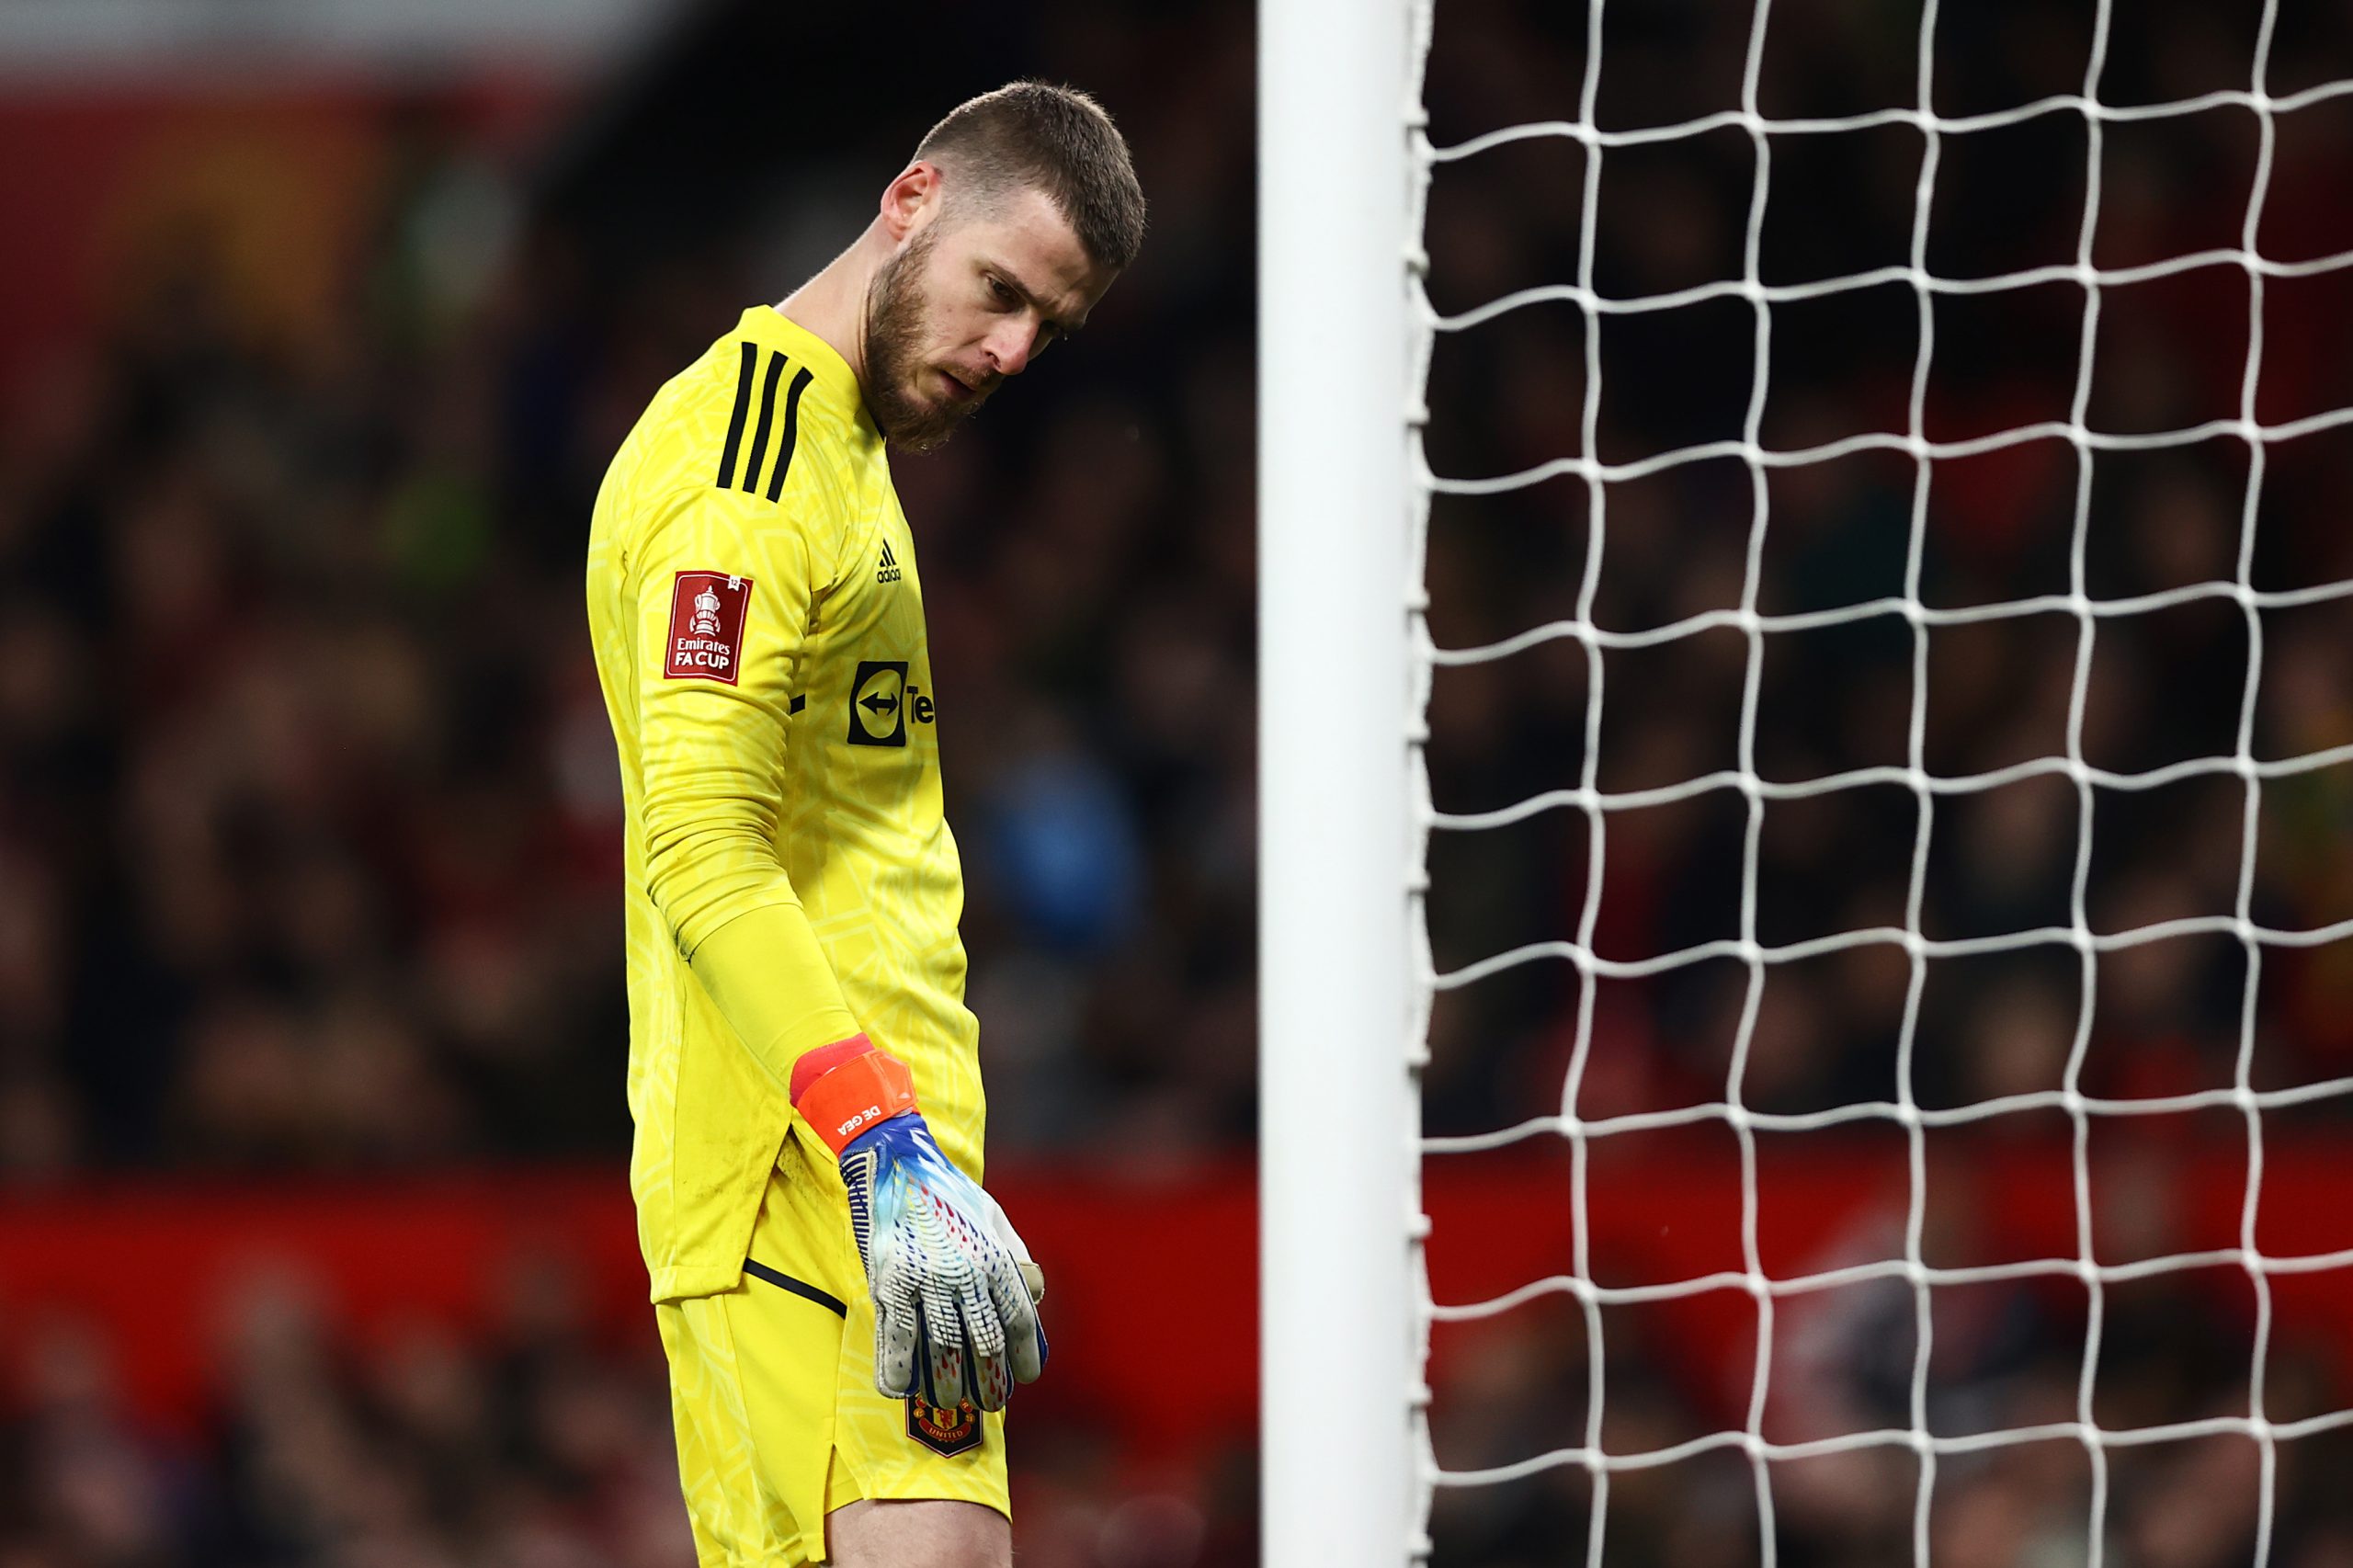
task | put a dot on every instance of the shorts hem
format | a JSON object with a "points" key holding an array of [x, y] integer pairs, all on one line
{"points": [[680, 1282], [1002, 1510]]}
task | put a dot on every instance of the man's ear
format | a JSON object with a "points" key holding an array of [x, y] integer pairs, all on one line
{"points": [[910, 201]]}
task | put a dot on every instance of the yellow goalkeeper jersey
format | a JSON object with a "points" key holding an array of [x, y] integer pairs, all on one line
{"points": [[759, 636]]}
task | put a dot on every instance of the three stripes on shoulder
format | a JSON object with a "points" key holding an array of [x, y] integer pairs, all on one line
{"points": [[754, 462]]}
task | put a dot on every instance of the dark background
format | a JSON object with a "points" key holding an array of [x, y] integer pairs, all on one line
{"points": [[309, 826]]}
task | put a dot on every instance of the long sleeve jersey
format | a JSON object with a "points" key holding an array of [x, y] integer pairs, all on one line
{"points": [[758, 626]]}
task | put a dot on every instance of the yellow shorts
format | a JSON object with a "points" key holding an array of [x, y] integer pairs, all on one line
{"points": [[772, 1392]]}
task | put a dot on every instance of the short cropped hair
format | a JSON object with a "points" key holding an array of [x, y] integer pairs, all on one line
{"points": [[1035, 135]]}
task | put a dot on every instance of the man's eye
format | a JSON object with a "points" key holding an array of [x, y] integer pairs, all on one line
{"points": [[1003, 295]]}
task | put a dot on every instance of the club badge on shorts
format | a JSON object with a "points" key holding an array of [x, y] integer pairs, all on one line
{"points": [[945, 1432], [707, 614]]}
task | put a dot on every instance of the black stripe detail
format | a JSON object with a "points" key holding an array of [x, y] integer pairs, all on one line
{"points": [[801, 1288], [791, 433], [735, 424], [796, 705], [767, 417]]}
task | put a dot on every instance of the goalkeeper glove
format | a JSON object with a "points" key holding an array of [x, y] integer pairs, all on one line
{"points": [[955, 1292]]}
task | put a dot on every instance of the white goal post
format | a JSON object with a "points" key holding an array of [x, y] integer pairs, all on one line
{"points": [[1338, 1135]]}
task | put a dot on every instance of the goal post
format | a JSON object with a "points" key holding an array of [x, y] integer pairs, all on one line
{"points": [[1339, 1156]]}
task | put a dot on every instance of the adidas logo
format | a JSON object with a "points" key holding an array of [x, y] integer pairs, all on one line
{"points": [[889, 570]]}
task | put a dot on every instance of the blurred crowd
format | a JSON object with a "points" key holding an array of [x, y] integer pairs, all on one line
{"points": [[309, 821], [535, 1439], [309, 815], [530, 1443]]}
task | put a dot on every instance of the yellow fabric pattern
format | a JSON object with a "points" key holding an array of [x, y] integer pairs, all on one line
{"points": [[775, 1431], [757, 619]]}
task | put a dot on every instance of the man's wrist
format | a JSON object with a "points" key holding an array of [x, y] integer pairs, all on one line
{"points": [[846, 1088]]}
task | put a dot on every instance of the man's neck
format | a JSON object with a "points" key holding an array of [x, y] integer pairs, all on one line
{"points": [[833, 304]]}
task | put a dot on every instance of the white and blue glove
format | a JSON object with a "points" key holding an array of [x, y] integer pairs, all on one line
{"points": [[953, 1301], [955, 1292]]}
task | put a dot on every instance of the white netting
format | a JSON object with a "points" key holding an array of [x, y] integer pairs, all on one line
{"points": [[2089, 614]]}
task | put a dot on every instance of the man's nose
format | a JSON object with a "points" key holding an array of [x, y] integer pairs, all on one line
{"points": [[1010, 346]]}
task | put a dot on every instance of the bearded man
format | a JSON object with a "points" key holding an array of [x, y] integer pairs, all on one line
{"points": [[844, 1310]]}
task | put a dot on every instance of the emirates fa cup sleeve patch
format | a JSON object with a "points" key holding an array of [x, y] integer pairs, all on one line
{"points": [[707, 614]]}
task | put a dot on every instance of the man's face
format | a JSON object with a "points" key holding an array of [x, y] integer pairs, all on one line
{"points": [[970, 299]]}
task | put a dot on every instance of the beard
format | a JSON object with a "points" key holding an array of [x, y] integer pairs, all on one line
{"points": [[896, 307]]}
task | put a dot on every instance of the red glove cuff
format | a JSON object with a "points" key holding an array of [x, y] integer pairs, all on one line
{"points": [[846, 1087]]}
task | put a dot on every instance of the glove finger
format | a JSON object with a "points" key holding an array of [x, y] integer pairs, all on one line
{"points": [[988, 1381], [898, 1328], [993, 1290], [1001, 1229], [1010, 1239], [996, 1372], [943, 1343], [1017, 1311], [992, 1381], [920, 1385]]}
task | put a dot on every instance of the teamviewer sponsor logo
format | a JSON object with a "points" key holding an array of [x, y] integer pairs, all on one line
{"points": [[882, 704], [878, 704]]}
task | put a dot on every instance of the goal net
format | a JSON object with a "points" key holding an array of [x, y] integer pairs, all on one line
{"points": [[1807, 739]]}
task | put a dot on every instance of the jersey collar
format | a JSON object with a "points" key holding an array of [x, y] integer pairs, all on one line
{"points": [[827, 368]]}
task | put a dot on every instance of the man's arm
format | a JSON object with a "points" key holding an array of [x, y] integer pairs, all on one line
{"points": [[722, 590], [723, 593]]}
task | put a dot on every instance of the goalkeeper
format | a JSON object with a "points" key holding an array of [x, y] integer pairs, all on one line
{"points": [[846, 1312]]}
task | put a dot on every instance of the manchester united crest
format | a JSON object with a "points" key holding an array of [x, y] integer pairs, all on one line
{"points": [[944, 1432]]}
